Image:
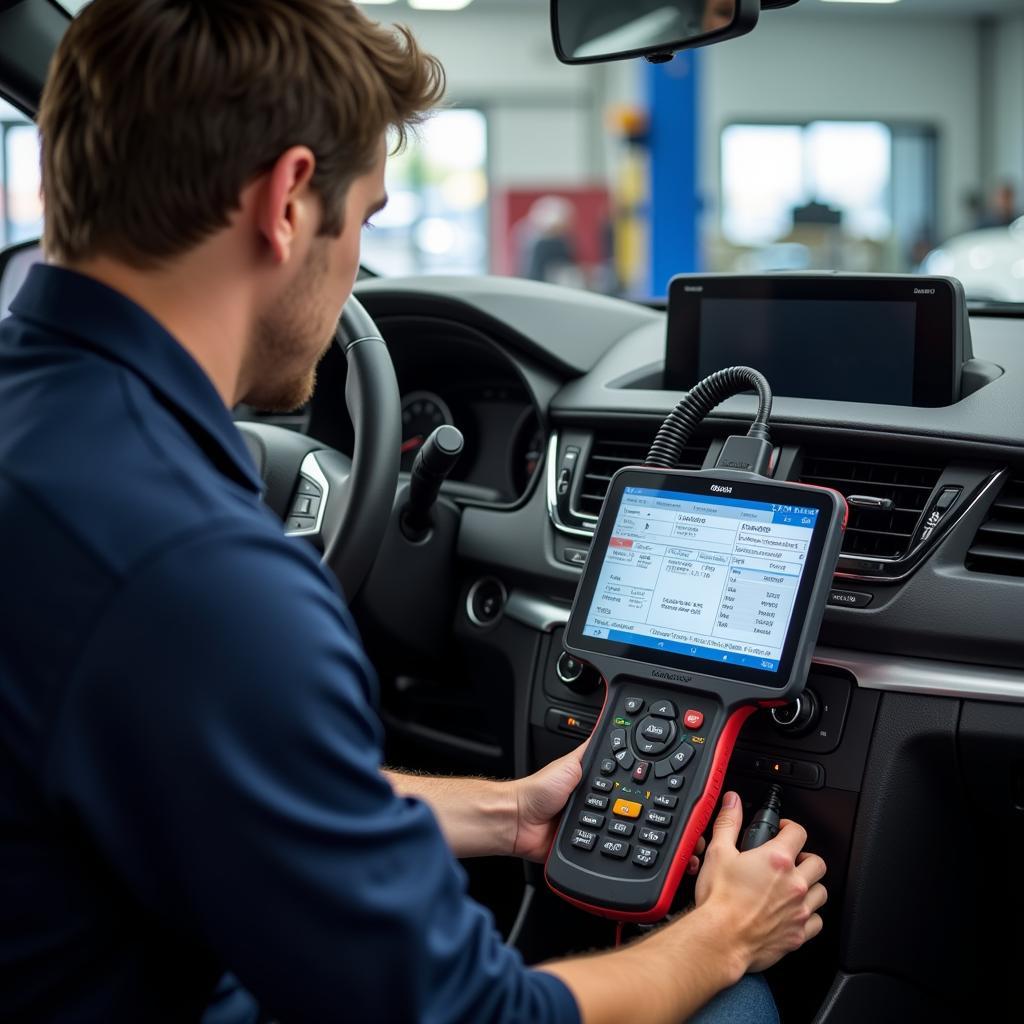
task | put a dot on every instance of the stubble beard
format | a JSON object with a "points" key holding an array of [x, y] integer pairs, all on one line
{"points": [[282, 369]]}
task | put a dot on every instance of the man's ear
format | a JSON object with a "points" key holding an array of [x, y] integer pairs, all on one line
{"points": [[285, 202]]}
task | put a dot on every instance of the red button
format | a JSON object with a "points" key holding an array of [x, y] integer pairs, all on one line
{"points": [[693, 719]]}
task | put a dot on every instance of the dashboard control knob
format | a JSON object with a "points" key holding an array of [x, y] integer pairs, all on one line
{"points": [[577, 676], [799, 716]]}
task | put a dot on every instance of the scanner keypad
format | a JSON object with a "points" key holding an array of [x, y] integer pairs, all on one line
{"points": [[648, 750]]}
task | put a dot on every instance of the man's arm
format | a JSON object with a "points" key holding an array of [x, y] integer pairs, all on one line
{"points": [[482, 817], [477, 816]]}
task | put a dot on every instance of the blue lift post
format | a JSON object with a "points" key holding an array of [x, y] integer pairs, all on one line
{"points": [[673, 94]]}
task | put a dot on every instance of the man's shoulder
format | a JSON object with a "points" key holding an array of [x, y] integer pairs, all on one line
{"points": [[101, 462]]}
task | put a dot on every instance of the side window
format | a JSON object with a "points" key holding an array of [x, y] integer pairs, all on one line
{"points": [[21, 208]]}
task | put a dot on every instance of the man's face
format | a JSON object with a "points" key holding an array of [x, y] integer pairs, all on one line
{"points": [[718, 14], [294, 334]]}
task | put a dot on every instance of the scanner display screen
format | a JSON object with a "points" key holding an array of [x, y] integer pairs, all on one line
{"points": [[704, 576]]}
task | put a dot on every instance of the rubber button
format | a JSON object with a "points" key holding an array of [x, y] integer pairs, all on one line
{"points": [[615, 848], [664, 709], [693, 719], [627, 808]]}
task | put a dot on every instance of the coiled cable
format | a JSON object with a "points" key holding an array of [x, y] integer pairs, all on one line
{"points": [[675, 432]]}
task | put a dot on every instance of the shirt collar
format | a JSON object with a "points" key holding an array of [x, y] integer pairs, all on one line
{"points": [[78, 306]]}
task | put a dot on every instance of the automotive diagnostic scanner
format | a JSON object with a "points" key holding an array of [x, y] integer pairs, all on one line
{"points": [[701, 600]]}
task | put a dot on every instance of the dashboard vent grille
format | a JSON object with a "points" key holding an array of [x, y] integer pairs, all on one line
{"points": [[877, 533], [610, 452], [998, 546]]}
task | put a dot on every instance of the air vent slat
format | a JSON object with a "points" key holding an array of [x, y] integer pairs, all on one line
{"points": [[877, 533], [610, 452], [998, 546]]}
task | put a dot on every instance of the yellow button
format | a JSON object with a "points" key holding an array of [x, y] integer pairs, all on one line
{"points": [[627, 808]]}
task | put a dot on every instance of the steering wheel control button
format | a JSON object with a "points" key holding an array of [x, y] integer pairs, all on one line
{"points": [[307, 486], [849, 598], [592, 820], [659, 818], [633, 704], [618, 739], [641, 770], [693, 719], [627, 808], [621, 828], [675, 782], [645, 857], [625, 759], [485, 601], [584, 840], [663, 768], [608, 766], [602, 785], [615, 848], [681, 757], [665, 800], [652, 836], [596, 802], [664, 709], [300, 523]]}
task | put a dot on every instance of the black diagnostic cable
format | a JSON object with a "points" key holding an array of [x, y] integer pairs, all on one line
{"points": [[765, 824], [751, 453]]}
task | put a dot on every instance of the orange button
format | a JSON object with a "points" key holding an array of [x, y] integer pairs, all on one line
{"points": [[627, 808]]}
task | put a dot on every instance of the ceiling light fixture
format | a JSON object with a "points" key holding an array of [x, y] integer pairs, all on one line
{"points": [[439, 5]]}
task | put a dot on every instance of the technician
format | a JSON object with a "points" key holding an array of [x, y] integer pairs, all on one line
{"points": [[190, 753]]}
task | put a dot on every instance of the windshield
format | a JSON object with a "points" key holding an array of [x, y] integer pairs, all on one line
{"points": [[872, 137]]}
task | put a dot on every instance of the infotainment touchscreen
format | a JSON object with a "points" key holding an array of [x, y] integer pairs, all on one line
{"points": [[892, 340], [707, 576]]}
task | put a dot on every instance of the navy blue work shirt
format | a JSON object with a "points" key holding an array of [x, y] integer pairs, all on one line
{"points": [[189, 746]]}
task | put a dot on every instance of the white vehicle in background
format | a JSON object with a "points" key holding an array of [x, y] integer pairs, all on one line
{"points": [[989, 262]]}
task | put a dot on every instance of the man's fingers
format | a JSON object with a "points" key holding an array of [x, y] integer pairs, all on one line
{"points": [[811, 866], [812, 926], [816, 897], [693, 867], [791, 838], [729, 820], [700, 847]]}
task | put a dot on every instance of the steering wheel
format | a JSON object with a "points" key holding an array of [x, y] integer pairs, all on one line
{"points": [[343, 505]]}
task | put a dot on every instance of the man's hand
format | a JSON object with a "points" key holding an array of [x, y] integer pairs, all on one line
{"points": [[540, 799], [768, 897]]}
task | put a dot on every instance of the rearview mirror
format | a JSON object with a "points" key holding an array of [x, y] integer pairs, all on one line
{"points": [[590, 31]]}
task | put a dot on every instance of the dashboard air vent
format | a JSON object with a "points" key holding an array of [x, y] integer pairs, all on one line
{"points": [[611, 451], [877, 532], [998, 547]]}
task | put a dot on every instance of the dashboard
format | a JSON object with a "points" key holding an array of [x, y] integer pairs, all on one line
{"points": [[448, 373], [913, 718], [914, 714]]}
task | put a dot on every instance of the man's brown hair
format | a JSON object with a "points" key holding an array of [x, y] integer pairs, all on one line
{"points": [[157, 114]]}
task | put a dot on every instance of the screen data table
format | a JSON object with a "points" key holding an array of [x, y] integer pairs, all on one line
{"points": [[706, 576]]}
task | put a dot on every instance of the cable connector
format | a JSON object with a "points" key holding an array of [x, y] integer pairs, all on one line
{"points": [[765, 824], [751, 453]]}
